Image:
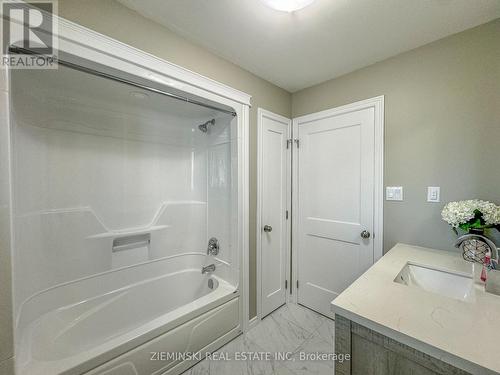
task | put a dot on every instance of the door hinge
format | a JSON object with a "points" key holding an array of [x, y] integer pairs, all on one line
{"points": [[286, 214], [286, 284], [297, 142], [297, 284]]}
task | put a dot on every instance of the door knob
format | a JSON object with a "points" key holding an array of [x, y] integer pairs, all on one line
{"points": [[365, 234], [268, 228]]}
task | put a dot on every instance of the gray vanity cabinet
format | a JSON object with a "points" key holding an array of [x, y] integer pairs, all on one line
{"points": [[375, 354]]}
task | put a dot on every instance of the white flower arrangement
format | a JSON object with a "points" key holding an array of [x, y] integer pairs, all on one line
{"points": [[471, 214]]}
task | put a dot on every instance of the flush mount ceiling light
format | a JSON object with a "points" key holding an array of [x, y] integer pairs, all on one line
{"points": [[287, 5]]}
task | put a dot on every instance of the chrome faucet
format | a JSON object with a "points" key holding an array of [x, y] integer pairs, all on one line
{"points": [[481, 239], [207, 269], [213, 246]]}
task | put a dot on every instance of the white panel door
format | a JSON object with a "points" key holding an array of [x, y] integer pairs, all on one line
{"points": [[335, 203], [274, 182]]}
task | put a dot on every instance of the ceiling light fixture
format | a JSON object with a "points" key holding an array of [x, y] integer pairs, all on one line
{"points": [[287, 5]]}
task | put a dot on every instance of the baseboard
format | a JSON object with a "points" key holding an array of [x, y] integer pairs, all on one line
{"points": [[253, 322]]}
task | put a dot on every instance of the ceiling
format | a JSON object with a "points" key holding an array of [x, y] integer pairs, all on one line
{"points": [[322, 41]]}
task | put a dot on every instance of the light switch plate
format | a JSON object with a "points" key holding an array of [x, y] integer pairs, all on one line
{"points": [[433, 194], [394, 193]]}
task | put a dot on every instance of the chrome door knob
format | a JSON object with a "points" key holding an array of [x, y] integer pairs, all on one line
{"points": [[268, 228], [365, 234]]}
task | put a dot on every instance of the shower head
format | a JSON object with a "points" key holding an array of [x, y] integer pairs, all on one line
{"points": [[204, 127]]}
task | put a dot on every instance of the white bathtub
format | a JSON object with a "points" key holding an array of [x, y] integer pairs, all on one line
{"points": [[122, 316]]}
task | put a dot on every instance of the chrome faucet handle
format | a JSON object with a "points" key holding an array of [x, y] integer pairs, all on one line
{"points": [[213, 246]]}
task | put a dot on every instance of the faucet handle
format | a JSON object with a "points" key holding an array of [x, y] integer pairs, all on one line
{"points": [[213, 246]]}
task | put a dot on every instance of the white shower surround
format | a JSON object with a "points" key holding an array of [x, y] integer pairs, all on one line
{"points": [[99, 49]]}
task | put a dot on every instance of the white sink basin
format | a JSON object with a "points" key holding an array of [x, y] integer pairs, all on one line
{"points": [[447, 283]]}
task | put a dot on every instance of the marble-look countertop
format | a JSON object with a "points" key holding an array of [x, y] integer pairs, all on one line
{"points": [[465, 334]]}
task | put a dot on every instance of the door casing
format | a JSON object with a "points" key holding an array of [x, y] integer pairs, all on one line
{"points": [[377, 103]]}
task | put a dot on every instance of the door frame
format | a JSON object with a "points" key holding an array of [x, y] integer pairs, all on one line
{"points": [[261, 114], [377, 103]]}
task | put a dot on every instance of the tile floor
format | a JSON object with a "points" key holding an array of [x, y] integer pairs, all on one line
{"points": [[291, 328]]}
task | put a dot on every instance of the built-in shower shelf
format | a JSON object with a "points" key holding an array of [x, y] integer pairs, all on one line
{"points": [[130, 232]]}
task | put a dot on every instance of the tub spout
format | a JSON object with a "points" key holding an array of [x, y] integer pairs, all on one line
{"points": [[209, 268]]}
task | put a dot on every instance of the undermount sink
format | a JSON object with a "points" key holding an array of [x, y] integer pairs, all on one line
{"points": [[446, 283]]}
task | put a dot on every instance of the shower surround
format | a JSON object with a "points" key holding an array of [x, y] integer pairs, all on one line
{"points": [[116, 191]]}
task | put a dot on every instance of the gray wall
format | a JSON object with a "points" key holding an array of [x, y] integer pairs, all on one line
{"points": [[113, 19], [442, 127]]}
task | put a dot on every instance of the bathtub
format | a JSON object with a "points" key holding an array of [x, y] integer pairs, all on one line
{"points": [[113, 323]]}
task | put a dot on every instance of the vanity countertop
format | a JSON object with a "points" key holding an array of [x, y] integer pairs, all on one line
{"points": [[465, 334]]}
